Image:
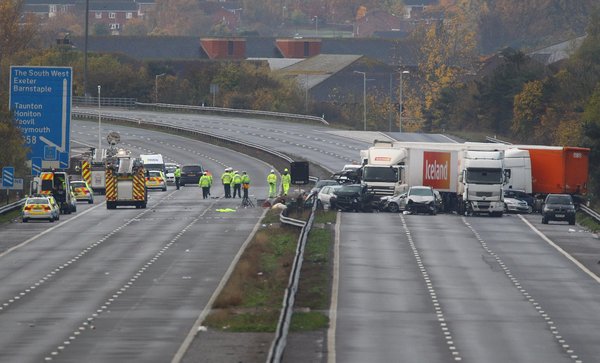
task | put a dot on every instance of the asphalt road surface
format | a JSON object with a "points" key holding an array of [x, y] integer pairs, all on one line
{"points": [[447, 288], [441, 288], [127, 285], [122, 285]]}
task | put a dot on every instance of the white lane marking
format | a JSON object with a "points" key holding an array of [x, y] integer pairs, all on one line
{"points": [[129, 284], [553, 329], [559, 249], [439, 312], [331, 358], [47, 231], [190, 336]]}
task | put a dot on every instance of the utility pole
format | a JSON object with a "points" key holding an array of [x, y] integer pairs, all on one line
{"points": [[401, 104]]}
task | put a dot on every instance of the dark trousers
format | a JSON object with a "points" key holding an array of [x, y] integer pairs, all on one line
{"points": [[237, 190], [245, 193], [205, 192], [177, 183], [227, 188]]}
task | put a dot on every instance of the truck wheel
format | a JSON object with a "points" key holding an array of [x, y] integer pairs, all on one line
{"points": [[144, 206]]}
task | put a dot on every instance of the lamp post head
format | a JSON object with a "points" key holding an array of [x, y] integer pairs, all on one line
{"points": [[405, 72]]}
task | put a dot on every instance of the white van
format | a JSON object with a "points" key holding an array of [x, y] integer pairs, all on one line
{"points": [[153, 162]]}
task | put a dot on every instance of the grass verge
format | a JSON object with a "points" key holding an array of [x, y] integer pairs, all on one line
{"points": [[9, 216], [251, 299], [588, 222]]}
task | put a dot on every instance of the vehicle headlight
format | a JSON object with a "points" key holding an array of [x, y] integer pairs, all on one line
{"points": [[354, 200]]}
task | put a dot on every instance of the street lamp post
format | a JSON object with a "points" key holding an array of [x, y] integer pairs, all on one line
{"points": [[156, 86], [316, 25], [364, 74], [99, 152], [400, 119]]}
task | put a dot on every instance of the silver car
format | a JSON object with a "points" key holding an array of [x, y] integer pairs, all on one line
{"points": [[418, 199], [324, 196], [516, 205]]}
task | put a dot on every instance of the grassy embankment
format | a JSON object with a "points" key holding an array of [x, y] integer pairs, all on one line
{"points": [[251, 299]]}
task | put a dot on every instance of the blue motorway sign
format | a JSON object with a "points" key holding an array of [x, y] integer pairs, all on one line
{"points": [[36, 166], [8, 176], [40, 99]]}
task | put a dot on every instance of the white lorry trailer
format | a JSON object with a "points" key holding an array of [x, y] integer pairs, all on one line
{"points": [[468, 180]]}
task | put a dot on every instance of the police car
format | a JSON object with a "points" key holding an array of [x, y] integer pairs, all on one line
{"points": [[156, 179], [40, 207], [82, 191]]}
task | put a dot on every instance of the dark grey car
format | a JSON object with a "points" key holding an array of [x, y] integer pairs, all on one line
{"points": [[558, 207], [190, 174]]}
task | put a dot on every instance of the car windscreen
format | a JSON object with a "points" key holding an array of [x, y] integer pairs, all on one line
{"points": [[155, 167], [484, 176], [349, 189], [38, 201], [77, 185], [322, 183], [421, 191], [191, 169], [559, 199], [154, 174], [170, 169], [375, 174]]}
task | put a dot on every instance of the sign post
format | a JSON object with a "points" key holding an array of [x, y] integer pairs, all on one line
{"points": [[40, 99]]}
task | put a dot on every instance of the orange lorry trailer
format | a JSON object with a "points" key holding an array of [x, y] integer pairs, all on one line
{"points": [[556, 169]]}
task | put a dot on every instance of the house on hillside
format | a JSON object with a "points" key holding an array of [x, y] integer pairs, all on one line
{"points": [[113, 13], [46, 9]]}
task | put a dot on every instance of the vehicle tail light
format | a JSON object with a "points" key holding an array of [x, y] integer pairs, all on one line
{"points": [[27, 208]]}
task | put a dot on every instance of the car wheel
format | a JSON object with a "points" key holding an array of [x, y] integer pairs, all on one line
{"points": [[164, 189], [505, 208], [572, 221], [433, 212], [544, 220], [393, 207], [51, 220], [91, 201], [25, 220], [182, 184]]}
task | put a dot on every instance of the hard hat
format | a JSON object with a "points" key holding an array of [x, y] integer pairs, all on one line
{"points": [[243, 172], [272, 171], [285, 169]]}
